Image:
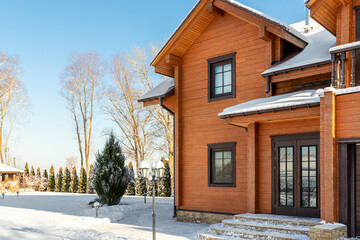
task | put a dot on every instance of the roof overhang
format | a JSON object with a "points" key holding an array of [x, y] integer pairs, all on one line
{"points": [[199, 18], [164, 89], [324, 12], [289, 101]]}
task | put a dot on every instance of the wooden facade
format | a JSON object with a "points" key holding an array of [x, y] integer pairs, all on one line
{"points": [[217, 28]]}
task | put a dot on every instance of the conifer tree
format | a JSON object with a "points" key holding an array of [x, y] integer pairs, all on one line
{"points": [[131, 186], [74, 181], [165, 183], [150, 189], [90, 187], [110, 175], [140, 185], [66, 181], [59, 180], [26, 170], [32, 171], [38, 172], [45, 176], [51, 182], [83, 181]]}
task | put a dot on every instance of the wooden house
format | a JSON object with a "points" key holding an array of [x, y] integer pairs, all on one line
{"points": [[9, 174], [267, 115]]}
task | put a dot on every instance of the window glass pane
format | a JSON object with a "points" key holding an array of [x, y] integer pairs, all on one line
{"points": [[282, 183], [313, 202], [218, 80], [227, 154], [305, 165], [304, 199], [218, 155], [227, 78], [227, 89], [289, 166], [282, 154], [218, 170], [313, 166], [289, 154], [290, 197], [227, 171], [227, 67], [313, 153], [218, 69], [218, 90], [304, 154], [282, 198], [282, 168]]}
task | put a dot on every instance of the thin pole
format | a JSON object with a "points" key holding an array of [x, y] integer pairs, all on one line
{"points": [[153, 207], [145, 191]]}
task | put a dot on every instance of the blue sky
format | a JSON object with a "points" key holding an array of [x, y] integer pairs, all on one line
{"points": [[43, 33]]}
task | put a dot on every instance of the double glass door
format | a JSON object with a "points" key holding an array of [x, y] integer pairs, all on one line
{"points": [[296, 175]]}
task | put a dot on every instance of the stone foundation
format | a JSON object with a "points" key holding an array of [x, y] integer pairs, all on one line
{"points": [[328, 232], [201, 217]]}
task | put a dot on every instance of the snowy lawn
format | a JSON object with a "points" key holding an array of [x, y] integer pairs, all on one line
{"points": [[43, 215]]}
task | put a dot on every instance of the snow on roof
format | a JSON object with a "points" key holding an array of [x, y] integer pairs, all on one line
{"points": [[343, 91], [6, 168], [345, 47], [161, 90], [316, 52], [267, 18], [279, 102]]}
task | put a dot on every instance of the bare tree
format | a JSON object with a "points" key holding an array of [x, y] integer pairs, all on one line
{"points": [[71, 162], [13, 100], [164, 139], [80, 83], [134, 121]]}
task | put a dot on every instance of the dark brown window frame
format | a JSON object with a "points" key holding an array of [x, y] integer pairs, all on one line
{"points": [[228, 146], [211, 77]]}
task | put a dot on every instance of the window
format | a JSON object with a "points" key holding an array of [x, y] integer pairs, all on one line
{"points": [[221, 79], [221, 164]]}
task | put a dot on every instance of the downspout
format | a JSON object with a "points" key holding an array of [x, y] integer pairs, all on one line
{"points": [[268, 85], [173, 114]]}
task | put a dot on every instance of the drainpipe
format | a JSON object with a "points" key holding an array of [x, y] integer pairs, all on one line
{"points": [[173, 114], [268, 86]]}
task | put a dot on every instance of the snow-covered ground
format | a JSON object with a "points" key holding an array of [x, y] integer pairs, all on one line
{"points": [[46, 215]]}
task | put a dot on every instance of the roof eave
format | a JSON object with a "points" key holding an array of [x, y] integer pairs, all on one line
{"points": [[243, 114]]}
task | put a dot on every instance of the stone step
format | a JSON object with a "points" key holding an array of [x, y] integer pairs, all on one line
{"points": [[219, 229], [209, 236], [265, 226], [277, 219]]}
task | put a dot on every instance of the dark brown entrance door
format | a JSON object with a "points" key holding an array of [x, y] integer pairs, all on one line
{"points": [[295, 176]]}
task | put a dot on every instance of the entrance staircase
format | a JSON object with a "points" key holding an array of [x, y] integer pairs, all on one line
{"points": [[260, 226]]}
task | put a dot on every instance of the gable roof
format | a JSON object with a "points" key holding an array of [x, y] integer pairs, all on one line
{"points": [[316, 53], [199, 18], [164, 89]]}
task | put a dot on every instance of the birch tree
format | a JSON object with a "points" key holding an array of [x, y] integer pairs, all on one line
{"points": [[80, 87], [13, 100], [133, 121], [164, 138]]}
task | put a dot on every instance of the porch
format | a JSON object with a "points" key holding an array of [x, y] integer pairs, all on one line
{"points": [[267, 226], [301, 133]]}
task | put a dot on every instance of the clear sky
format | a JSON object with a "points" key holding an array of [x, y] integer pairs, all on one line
{"points": [[43, 33]]}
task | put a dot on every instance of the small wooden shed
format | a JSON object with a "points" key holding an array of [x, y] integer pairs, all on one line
{"points": [[8, 173]]}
